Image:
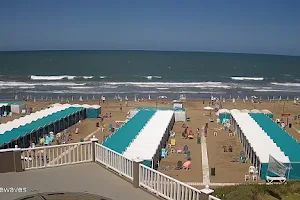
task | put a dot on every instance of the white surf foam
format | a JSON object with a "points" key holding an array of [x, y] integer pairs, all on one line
{"points": [[151, 77], [174, 84], [163, 88], [81, 87], [51, 78], [237, 78], [102, 77], [87, 77], [24, 84], [286, 84]]}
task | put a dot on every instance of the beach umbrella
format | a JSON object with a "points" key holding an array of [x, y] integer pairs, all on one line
{"points": [[246, 98], [149, 97], [34, 99], [233, 100], [93, 97], [126, 98], [287, 98], [224, 100], [16, 96], [244, 101], [238, 98], [279, 98], [72, 98], [115, 98], [80, 98], [135, 98]]}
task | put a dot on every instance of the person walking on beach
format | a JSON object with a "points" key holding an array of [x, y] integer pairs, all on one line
{"points": [[121, 108]]}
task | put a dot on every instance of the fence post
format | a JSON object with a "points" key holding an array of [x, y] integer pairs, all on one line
{"points": [[136, 172], [206, 192], [94, 140], [17, 159]]}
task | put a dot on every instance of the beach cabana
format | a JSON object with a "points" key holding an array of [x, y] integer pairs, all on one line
{"points": [[36, 125], [257, 144], [223, 114], [268, 113], [16, 106], [93, 111], [151, 139]]}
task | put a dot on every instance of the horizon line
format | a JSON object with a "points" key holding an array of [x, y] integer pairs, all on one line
{"points": [[149, 50]]}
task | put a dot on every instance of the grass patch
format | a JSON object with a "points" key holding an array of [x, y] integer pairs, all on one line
{"points": [[290, 191]]}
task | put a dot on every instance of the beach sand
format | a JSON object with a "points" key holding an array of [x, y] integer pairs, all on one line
{"points": [[226, 171]]}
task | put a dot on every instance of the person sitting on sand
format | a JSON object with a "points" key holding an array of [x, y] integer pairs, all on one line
{"points": [[69, 137], [224, 148], [184, 135], [230, 148], [183, 126], [190, 135]]}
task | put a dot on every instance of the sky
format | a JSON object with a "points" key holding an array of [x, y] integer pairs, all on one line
{"points": [[256, 26]]}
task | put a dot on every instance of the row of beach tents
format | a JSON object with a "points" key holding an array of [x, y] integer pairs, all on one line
{"points": [[226, 114]]}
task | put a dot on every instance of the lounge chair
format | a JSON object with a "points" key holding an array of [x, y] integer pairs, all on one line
{"points": [[270, 179], [164, 153]]}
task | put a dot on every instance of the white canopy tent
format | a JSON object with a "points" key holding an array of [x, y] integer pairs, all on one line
{"points": [[147, 144], [256, 142]]}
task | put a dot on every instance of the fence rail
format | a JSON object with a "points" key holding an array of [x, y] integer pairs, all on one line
{"points": [[114, 161], [165, 186], [56, 155]]}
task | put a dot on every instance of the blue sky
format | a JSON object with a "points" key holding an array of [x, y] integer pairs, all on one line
{"points": [[228, 26]]}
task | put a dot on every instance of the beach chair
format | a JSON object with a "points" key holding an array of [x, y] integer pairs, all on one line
{"points": [[243, 160], [110, 128], [10, 114], [188, 155], [4, 114], [173, 142], [47, 141], [179, 165], [51, 136], [187, 165], [164, 153]]}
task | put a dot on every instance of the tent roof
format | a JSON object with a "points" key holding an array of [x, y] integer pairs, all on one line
{"points": [[245, 111], [254, 111], [147, 141], [260, 142]]}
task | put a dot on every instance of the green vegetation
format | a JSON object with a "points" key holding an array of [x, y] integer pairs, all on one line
{"points": [[290, 191]]}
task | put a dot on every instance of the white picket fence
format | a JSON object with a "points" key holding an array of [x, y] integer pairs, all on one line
{"points": [[165, 186], [150, 179], [114, 161], [56, 155]]}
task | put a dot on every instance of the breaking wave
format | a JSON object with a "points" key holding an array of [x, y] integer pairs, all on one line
{"points": [[237, 78]]}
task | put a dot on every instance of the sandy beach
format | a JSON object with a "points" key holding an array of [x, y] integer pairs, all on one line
{"points": [[226, 171]]}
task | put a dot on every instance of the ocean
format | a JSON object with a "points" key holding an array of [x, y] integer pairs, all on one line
{"points": [[198, 75]]}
